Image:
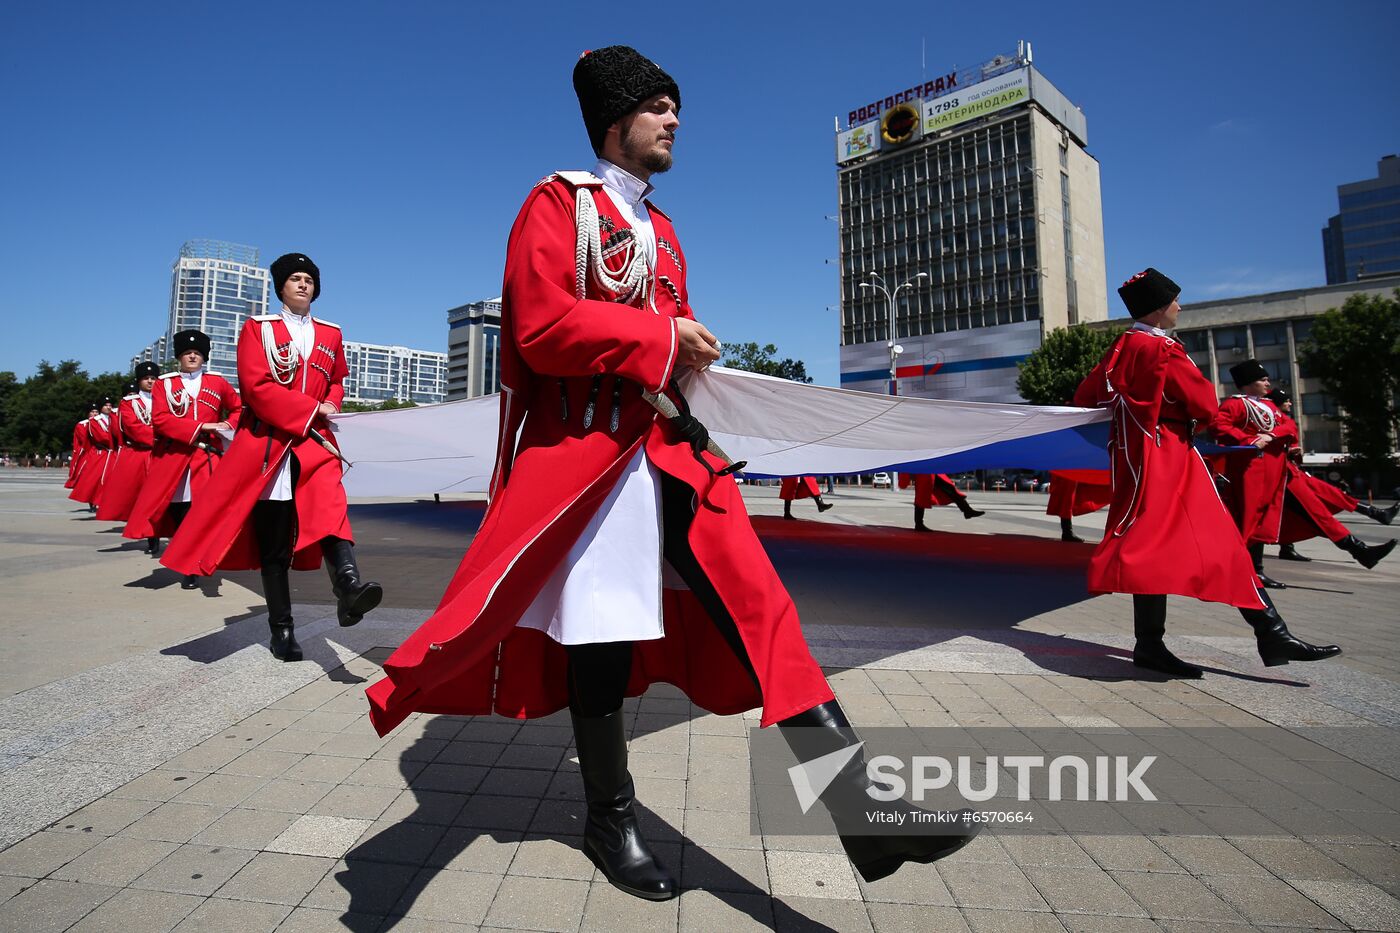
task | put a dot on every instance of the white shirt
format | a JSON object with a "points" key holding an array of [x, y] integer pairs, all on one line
{"points": [[303, 332], [189, 384], [608, 587], [628, 194], [1148, 328]]}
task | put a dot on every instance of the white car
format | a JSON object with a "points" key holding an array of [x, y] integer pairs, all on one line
{"points": [[881, 481]]}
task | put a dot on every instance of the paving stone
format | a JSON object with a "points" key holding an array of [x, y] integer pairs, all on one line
{"points": [[514, 782], [722, 869], [793, 914], [730, 911], [277, 878], [549, 904], [456, 779], [1051, 851], [908, 918], [328, 836], [1127, 853], [912, 884], [105, 816], [245, 829], [486, 812], [1267, 901], [1294, 859], [1377, 864], [217, 915], [135, 911], [540, 757], [726, 829], [159, 785], [397, 841], [356, 801], [262, 763], [315, 920], [375, 773], [454, 896], [115, 861], [51, 906], [1001, 887], [1009, 921], [1175, 897], [552, 857], [288, 796], [222, 790], [10, 885], [370, 888], [1089, 923], [44, 852], [462, 848], [174, 822], [609, 910], [194, 869], [1359, 905], [426, 806], [810, 874], [1082, 890]]}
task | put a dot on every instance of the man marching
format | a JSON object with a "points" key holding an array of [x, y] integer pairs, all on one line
{"points": [[190, 410], [1168, 531], [561, 598], [81, 446], [134, 461], [800, 487], [938, 489], [97, 458], [277, 501], [1077, 492]]}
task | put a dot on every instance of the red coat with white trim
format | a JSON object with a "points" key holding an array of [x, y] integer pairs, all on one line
{"points": [[133, 460], [99, 450], [1256, 482], [928, 493], [80, 447], [278, 417], [1168, 531], [175, 421], [799, 487], [1078, 492], [470, 657], [1319, 499]]}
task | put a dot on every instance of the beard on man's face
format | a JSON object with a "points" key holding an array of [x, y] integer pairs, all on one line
{"points": [[648, 154]]}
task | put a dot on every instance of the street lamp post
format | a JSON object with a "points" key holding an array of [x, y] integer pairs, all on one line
{"points": [[890, 296]]}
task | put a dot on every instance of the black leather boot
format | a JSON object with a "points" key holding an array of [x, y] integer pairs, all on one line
{"points": [[1384, 516], [1289, 552], [1367, 555], [1067, 532], [823, 730], [1256, 554], [822, 504], [611, 837], [919, 520], [966, 508], [277, 591], [353, 596], [152, 546], [787, 510], [1276, 644], [1150, 651]]}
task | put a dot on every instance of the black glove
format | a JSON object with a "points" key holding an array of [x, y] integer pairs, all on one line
{"points": [[692, 432]]}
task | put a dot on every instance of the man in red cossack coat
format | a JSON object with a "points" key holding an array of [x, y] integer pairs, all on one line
{"points": [[561, 598], [190, 411], [134, 461], [800, 487], [1310, 504], [932, 489], [1168, 531], [81, 446], [97, 458], [277, 501], [1077, 492]]}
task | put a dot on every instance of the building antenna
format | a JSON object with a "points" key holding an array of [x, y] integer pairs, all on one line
{"points": [[923, 60]]}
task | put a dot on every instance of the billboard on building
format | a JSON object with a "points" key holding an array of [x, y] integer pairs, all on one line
{"points": [[979, 100], [858, 141]]}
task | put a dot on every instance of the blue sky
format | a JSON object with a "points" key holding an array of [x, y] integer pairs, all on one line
{"points": [[394, 144]]}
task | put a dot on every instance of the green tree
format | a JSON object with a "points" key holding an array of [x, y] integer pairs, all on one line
{"points": [[387, 405], [1051, 374], [39, 413], [1355, 351], [752, 358]]}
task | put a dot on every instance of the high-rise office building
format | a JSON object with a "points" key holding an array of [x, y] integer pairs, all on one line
{"points": [[380, 373], [1363, 239], [474, 349], [976, 189], [214, 287]]}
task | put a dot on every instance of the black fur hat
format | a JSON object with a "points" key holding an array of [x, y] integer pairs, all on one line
{"points": [[1247, 372], [611, 82], [1147, 291], [191, 340], [283, 268], [145, 369]]}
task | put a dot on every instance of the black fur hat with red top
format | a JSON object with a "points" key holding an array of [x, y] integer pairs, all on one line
{"points": [[611, 82], [1147, 291]]}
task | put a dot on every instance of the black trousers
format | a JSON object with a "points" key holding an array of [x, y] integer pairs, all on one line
{"points": [[274, 526], [598, 673]]}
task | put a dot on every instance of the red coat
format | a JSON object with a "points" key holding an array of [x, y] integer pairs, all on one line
{"points": [[799, 487], [133, 460], [1321, 500], [1078, 492], [1168, 531], [928, 494], [469, 657], [80, 447], [175, 422], [276, 417], [99, 448], [1256, 482]]}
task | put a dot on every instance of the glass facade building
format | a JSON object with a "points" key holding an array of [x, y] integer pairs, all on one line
{"points": [[999, 214], [1363, 239], [474, 349], [380, 373]]}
